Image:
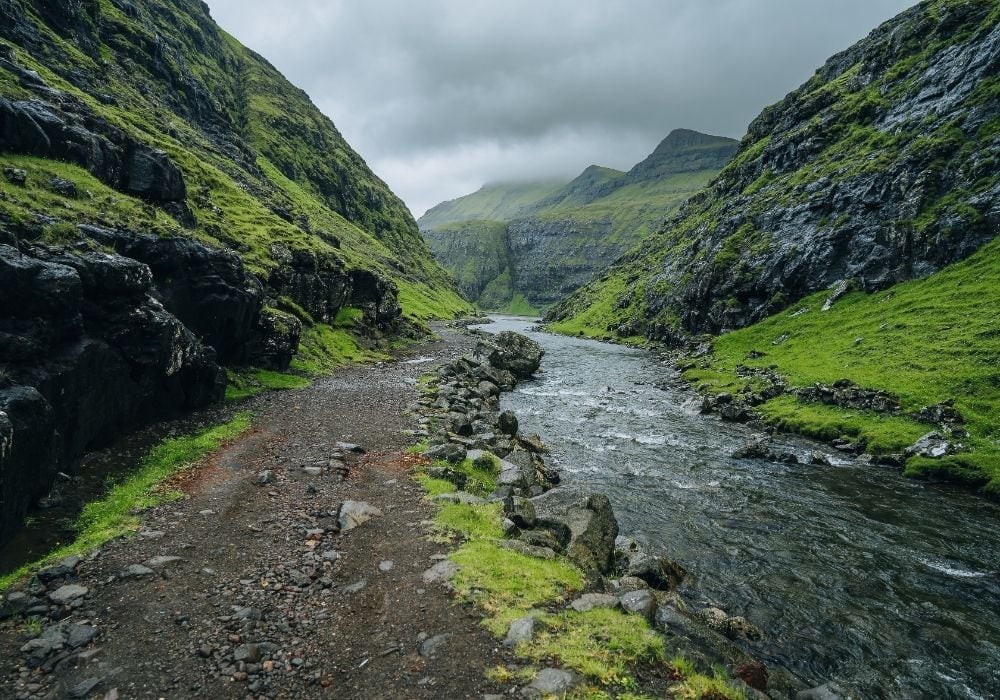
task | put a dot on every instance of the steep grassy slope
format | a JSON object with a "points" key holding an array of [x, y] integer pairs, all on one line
{"points": [[261, 165], [926, 341], [497, 201], [881, 168], [556, 242]]}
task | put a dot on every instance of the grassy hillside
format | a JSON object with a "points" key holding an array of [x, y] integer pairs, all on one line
{"points": [[261, 164], [493, 202], [556, 242], [925, 341]]}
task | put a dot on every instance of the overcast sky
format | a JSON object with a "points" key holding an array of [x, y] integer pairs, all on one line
{"points": [[441, 96]]}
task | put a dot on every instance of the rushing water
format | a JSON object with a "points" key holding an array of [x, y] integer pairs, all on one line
{"points": [[888, 586]]}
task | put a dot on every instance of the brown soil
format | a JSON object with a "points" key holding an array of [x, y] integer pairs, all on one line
{"points": [[243, 545]]}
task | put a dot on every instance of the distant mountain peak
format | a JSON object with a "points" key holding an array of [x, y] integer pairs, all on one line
{"points": [[683, 151]]}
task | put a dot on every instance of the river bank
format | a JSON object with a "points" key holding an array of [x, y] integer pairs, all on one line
{"points": [[883, 584]]}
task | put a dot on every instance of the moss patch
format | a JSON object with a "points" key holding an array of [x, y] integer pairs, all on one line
{"points": [[250, 382]]}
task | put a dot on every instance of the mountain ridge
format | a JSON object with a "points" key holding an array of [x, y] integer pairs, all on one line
{"points": [[557, 241]]}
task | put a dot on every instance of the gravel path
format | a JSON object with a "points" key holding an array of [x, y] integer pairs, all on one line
{"points": [[259, 590]]}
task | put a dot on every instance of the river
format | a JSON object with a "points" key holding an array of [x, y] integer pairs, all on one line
{"points": [[889, 587]]}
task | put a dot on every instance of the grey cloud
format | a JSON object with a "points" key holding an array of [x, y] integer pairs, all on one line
{"points": [[441, 96]]}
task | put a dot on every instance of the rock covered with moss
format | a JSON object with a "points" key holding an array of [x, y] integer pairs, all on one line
{"points": [[879, 169]]}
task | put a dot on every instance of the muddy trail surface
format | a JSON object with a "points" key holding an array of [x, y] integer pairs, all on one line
{"points": [[250, 589]]}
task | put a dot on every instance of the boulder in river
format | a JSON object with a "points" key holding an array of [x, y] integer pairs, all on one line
{"points": [[516, 353]]}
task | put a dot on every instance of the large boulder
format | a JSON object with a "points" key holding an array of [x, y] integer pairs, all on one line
{"points": [[583, 523], [516, 353]]}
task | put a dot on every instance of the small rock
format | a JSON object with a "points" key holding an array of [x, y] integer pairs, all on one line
{"points": [[135, 571], [590, 601], [386, 566], [460, 497], [313, 471], [449, 452], [80, 635], [250, 653], [441, 572], [355, 587], [754, 674], [640, 602], [84, 688], [355, 513], [331, 555], [67, 188], [266, 477], [162, 561], [68, 593], [520, 630], [539, 552], [507, 423], [551, 681], [430, 647], [16, 176], [349, 447], [207, 511], [827, 691]]}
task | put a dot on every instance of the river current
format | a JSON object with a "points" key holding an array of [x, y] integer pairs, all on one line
{"points": [[887, 586]]}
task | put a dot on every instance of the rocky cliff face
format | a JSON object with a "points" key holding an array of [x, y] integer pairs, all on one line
{"points": [[169, 204], [881, 168], [557, 242]]}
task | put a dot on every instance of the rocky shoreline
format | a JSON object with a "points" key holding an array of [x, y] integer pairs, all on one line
{"points": [[461, 419]]}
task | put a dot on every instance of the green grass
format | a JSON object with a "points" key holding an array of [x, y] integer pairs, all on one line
{"points": [[116, 513], [519, 306], [696, 686], [324, 348], [925, 341], [470, 521], [601, 644], [250, 382], [507, 584]]}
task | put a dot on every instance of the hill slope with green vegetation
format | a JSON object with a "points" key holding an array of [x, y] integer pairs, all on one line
{"points": [[852, 238], [880, 168], [557, 238], [263, 169], [169, 204]]}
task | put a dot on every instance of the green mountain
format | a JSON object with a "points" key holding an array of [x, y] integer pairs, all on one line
{"points": [[169, 203], [527, 245], [879, 170]]}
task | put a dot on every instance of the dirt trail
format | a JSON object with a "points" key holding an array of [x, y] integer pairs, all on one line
{"points": [[268, 599]]}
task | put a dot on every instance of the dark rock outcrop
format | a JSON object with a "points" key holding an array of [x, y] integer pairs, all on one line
{"points": [[88, 353], [35, 128], [516, 353]]}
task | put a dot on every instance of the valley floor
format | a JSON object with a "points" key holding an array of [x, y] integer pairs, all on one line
{"points": [[258, 604]]}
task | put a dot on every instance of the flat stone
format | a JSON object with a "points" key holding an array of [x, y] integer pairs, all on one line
{"points": [[152, 534], [68, 593], [349, 447], [529, 549], [50, 640], [313, 471], [249, 653], [355, 513], [551, 681], [135, 571], [386, 566], [441, 572], [84, 688], [356, 586], [460, 497], [640, 602], [430, 647], [80, 635], [64, 568], [520, 630], [590, 601], [331, 555], [162, 561]]}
